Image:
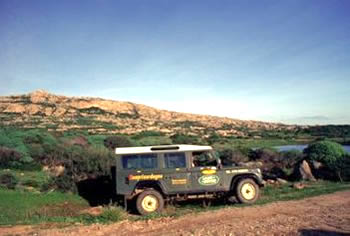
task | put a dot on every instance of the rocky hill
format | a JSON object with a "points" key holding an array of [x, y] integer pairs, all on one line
{"points": [[41, 109]]}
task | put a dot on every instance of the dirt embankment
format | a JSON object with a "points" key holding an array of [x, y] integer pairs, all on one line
{"points": [[323, 215]]}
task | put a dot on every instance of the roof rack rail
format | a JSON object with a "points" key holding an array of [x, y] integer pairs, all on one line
{"points": [[165, 148]]}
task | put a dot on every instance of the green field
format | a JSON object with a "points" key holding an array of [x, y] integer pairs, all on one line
{"points": [[20, 207], [29, 195]]}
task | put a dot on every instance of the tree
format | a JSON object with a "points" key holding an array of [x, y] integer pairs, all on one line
{"points": [[326, 152], [329, 153]]}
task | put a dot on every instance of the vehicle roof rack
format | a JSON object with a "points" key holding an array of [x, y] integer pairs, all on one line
{"points": [[160, 148]]}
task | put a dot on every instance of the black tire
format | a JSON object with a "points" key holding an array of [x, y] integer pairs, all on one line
{"points": [[247, 191], [149, 201]]}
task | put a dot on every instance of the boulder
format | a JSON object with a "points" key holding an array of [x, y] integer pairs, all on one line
{"points": [[93, 211], [299, 185], [54, 170], [281, 181], [316, 165], [305, 171]]}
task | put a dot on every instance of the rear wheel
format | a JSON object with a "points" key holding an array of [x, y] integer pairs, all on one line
{"points": [[149, 201], [247, 191]]}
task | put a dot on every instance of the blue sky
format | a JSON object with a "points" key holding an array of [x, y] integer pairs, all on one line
{"points": [[271, 60]]}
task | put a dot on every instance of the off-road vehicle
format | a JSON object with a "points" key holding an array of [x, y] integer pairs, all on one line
{"points": [[154, 174]]}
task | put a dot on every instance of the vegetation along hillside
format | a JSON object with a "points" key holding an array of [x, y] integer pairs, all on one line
{"points": [[41, 109]]}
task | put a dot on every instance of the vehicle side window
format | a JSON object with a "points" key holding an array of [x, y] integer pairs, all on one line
{"points": [[148, 161], [142, 161], [202, 159], [175, 160]]}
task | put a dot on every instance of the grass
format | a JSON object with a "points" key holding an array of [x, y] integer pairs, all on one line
{"points": [[286, 192], [254, 143], [26, 207], [35, 179], [19, 207]]}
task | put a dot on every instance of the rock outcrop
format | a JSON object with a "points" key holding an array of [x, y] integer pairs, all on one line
{"points": [[305, 172], [41, 109]]}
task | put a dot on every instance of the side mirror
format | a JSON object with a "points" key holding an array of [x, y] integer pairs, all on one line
{"points": [[219, 164]]}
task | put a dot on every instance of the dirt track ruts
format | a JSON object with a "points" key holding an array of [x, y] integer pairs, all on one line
{"points": [[322, 215]]}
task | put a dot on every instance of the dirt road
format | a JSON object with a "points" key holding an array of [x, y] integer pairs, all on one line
{"points": [[323, 215]]}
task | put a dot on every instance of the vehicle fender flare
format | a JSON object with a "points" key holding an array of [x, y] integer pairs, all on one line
{"points": [[236, 179], [154, 184]]}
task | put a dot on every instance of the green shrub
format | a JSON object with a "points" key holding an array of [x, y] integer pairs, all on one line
{"points": [[9, 158], [113, 214], [147, 133], [265, 154], [342, 167], [273, 165], [154, 140], [291, 158], [214, 138], [184, 139], [110, 214], [326, 152], [32, 183], [82, 163], [8, 180], [231, 156], [64, 183], [96, 139], [112, 142]]}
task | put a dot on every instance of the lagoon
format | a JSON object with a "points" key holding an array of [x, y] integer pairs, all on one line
{"points": [[302, 147]]}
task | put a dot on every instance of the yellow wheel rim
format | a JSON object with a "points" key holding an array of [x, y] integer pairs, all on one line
{"points": [[248, 191], [149, 203]]}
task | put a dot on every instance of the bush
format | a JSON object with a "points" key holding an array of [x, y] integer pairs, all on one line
{"points": [[110, 214], [96, 139], [231, 156], [81, 163], [291, 158], [326, 152], [214, 138], [266, 155], [342, 167], [8, 180], [273, 164], [184, 139], [112, 142], [146, 133], [154, 140], [64, 183], [9, 158]]}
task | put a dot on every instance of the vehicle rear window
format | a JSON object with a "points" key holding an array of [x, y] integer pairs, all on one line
{"points": [[140, 161], [175, 160]]}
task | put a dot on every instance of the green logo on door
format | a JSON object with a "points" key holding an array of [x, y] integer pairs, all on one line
{"points": [[209, 180]]}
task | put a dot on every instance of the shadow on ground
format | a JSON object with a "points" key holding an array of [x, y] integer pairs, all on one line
{"points": [[97, 191], [316, 232]]}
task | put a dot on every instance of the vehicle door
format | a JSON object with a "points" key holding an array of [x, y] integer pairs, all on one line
{"points": [[176, 177], [205, 174]]}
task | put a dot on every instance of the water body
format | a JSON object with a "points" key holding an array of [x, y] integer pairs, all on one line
{"points": [[302, 147]]}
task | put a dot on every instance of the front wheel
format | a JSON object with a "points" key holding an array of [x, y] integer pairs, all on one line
{"points": [[247, 191], [149, 201]]}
